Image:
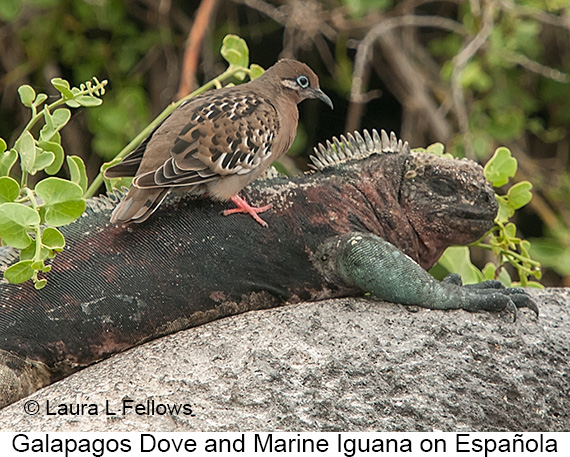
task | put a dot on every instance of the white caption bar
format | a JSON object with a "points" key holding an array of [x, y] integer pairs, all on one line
{"points": [[368, 444]]}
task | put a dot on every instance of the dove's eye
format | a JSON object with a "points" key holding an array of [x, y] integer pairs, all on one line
{"points": [[303, 81]]}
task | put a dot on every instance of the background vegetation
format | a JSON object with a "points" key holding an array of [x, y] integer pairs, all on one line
{"points": [[473, 75]]}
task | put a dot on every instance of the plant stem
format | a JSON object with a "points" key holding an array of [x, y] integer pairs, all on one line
{"points": [[37, 227], [61, 101], [508, 253]]}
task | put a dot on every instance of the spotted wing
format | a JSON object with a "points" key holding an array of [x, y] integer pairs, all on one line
{"points": [[227, 134]]}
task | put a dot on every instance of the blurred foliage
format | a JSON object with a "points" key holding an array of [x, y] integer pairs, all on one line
{"points": [[498, 77], [517, 92], [474, 76], [79, 39]]}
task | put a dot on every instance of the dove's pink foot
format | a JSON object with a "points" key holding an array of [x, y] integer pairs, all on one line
{"points": [[244, 207]]}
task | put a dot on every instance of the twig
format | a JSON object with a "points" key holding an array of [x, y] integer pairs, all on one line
{"points": [[274, 13], [304, 21], [410, 85], [562, 21], [459, 63], [195, 37], [535, 67], [364, 49], [356, 109]]}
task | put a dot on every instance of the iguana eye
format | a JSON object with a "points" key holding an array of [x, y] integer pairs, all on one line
{"points": [[303, 81], [444, 186]]}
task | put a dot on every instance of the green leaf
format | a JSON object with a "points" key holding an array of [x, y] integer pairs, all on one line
{"points": [[15, 222], [19, 272], [63, 213], [40, 284], [56, 190], [436, 148], [43, 160], [235, 52], [40, 99], [87, 101], [534, 285], [77, 171], [38, 265], [255, 71], [26, 147], [501, 167], [7, 158], [9, 189], [490, 272], [62, 201], [57, 150], [505, 210], [552, 253], [27, 95], [49, 129], [62, 86], [511, 230], [7, 161], [52, 238], [61, 117], [30, 252], [520, 194], [72, 104], [10, 9], [457, 259]]}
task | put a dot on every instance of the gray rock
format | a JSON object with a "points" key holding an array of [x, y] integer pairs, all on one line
{"points": [[338, 365]]}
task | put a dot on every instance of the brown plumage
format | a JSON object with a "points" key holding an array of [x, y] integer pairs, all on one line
{"points": [[217, 143]]}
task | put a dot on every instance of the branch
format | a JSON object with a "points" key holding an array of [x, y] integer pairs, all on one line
{"points": [[364, 49], [459, 63], [195, 37], [406, 71], [562, 21], [535, 67]]}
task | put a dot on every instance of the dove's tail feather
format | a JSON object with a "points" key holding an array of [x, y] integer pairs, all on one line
{"points": [[138, 205]]}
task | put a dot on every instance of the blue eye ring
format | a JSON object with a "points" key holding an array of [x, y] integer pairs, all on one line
{"points": [[303, 81]]}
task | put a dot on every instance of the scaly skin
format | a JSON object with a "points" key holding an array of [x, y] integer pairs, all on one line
{"points": [[117, 286]]}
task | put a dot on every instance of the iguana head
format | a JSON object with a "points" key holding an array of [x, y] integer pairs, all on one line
{"points": [[447, 201], [420, 202]]}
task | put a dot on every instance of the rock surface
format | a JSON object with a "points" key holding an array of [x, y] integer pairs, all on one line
{"points": [[337, 365]]}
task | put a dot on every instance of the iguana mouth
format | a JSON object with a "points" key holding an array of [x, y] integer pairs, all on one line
{"points": [[476, 214], [473, 219]]}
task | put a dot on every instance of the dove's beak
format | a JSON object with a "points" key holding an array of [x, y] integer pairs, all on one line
{"points": [[319, 94]]}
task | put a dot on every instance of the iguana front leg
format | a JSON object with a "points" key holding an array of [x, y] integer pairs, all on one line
{"points": [[375, 265]]}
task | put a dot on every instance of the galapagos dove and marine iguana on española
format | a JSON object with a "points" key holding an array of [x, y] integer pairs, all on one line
{"points": [[371, 218]]}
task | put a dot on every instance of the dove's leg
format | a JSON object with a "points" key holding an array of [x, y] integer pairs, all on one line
{"points": [[244, 207]]}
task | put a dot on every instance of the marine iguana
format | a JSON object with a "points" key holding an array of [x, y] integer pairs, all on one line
{"points": [[371, 218]]}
